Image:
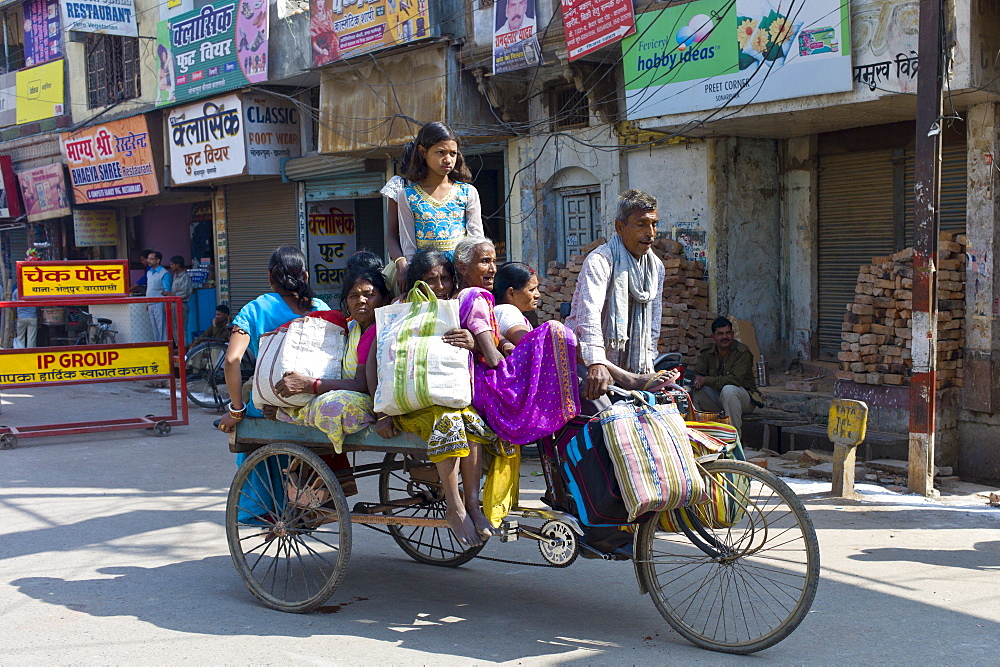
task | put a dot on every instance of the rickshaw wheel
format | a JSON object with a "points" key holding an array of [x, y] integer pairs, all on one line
{"points": [[741, 573], [420, 497], [288, 527], [8, 441]]}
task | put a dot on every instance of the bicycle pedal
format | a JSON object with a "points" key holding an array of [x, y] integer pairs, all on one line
{"points": [[508, 531]]}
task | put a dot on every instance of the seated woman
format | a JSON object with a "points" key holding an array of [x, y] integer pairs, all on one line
{"points": [[515, 290], [342, 406], [434, 268]]}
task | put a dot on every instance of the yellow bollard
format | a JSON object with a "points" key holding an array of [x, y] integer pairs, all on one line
{"points": [[846, 430]]}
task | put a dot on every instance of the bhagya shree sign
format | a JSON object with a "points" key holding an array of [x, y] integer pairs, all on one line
{"points": [[110, 161], [72, 278], [63, 365]]}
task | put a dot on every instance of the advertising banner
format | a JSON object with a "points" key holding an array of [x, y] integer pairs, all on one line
{"points": [[709, 53], [42, 37], [40, 92], [330, 229], [591, 24], [342, 29], [206, 51], [272, 131], [10, 203], [45, 280], [8, 99], [43, 365], [110, 17], [885, 46], [515, 38], [95, 228], [110, 161], [207, 140], [44, 192]]}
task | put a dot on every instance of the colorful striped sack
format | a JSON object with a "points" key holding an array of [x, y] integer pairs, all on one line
{"points": [[652, 457], [727, 493], [416, 368]]}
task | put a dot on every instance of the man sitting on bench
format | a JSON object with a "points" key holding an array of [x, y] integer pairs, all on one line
{"points": [[723, 378]]}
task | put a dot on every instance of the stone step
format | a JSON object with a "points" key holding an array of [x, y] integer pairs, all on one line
{"points": [[876, 445]]}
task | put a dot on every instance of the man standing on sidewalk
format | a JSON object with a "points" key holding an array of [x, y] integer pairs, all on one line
{"points": [[26, 323], [158, 281], [182, 286]]}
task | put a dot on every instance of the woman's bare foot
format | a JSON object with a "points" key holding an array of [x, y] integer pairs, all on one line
{"points": [[461, 525], [482, 525], [270, 412]]}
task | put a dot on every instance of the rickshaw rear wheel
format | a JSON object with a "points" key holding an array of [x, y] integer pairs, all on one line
{"points": [[737, 574], [419, 497], [288, 527]]}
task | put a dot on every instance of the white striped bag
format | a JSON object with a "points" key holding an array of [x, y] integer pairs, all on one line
{"points": [[312, 346], [652, 457], [416, 368]]}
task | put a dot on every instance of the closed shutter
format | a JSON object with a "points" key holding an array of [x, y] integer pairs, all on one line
{"points": [[954, 191], [260, 217], [855, 216], [345, 186]]}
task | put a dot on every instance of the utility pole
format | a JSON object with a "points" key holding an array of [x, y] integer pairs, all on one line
{"points": [[927, 197]]}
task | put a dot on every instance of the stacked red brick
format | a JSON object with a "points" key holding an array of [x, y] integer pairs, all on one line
{"points": [[686, 322], [876, 336]]}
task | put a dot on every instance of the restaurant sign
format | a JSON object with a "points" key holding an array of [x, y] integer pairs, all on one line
{"points": [[92, 278], [65, 365], [110, 161]]}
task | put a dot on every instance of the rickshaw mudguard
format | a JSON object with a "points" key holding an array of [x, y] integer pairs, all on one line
{"points": [[252, 433]]}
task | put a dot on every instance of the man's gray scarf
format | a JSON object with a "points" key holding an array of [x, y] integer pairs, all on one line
{"points": [[626, 330]]}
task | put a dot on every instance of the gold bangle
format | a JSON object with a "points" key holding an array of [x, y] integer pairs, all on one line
{"points": [[398, 258]]}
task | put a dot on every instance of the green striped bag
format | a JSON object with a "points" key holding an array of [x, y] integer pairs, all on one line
{"points": [[416, 368]]}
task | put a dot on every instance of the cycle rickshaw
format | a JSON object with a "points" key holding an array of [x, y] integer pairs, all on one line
{"points": [[737, 586]]}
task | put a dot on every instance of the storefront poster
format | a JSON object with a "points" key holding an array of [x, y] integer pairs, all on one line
{"points": [[592, 24], [8, 99], [63, 365], [342, 28], [110, 161], [40, 92], [42, 36], [46, 280], [207, 140], [110, 17], [95, 228], [330, 228], [515, 38], [885, 46], [272, 131], [710, 53], [44, 192], [206, 51], [10, 203]]}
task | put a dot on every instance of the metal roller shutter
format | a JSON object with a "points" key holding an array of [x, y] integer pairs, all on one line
{"points": [[345, 186], [954, 190], [855, 221], [260, 216]]}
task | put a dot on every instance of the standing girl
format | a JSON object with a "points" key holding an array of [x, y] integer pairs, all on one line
{"points": [[439, 207]]}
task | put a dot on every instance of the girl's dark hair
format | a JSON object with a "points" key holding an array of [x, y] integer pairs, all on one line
{"points": [[511, 274], [409, 148], [288, 271], [424, 261], [351, 278], [364, 259], [415, 170]]}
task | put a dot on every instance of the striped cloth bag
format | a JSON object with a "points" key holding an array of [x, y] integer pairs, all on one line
{"points": [[416, 368], [727, 493], [652, 458]]}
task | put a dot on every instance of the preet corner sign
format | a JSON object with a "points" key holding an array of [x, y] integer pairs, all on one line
{"points": [[331, 228], [515, 42], [110, 17], [64, 365], [219, 47], [110, 161], [40, 92], [592, 24], [343, 28], [206, 140], [43, 190], [95, 227], [96, 278], [704, 54]]}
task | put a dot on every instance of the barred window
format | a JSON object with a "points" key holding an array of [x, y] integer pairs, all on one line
{"points": [[112, 69], [569, 108]]}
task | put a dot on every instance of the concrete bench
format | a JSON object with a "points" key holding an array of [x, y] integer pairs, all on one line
{"points": [[252, 433]]}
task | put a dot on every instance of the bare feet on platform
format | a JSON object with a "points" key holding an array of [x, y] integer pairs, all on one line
{"points": [[482, 525], [461, 525]]}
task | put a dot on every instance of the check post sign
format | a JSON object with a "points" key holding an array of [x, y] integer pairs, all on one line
{"points": [[67, 365], [40, 280]]}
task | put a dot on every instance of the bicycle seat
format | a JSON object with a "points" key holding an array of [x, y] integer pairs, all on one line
{"points": [[103, 320]]}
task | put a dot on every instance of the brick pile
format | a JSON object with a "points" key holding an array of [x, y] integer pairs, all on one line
{"points": [[686, 320], [877, 335]]}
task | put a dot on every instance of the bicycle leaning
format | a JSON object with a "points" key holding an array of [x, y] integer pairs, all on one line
{"points": [[98, 331], [206, 377]]}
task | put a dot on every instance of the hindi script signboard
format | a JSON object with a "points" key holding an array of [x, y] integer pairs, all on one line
{"points": [[94, 278], [67, 365]]}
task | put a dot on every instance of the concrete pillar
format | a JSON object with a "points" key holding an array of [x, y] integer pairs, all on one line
{"points": [[799, 232]]}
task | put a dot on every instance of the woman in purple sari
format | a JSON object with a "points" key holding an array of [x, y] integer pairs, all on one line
{"points": [[525, 391]]}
